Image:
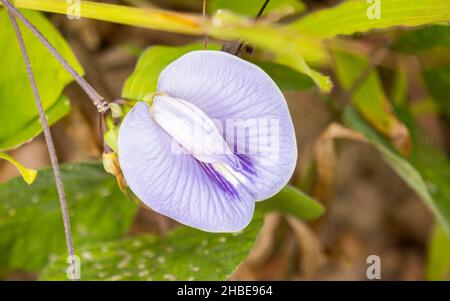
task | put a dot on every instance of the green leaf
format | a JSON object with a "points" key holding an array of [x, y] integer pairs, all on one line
{"points": [[434, 167], [370, 99], [184, 254], [251, 7], [399, 90], [421, 39], [31, 228], [159, 19], [427, 173], [298, 63], [292, 201], [19, 120], [144, 78], [360, 16], [438, 261], [30, 130], [289, 48], [438, 84], [28, 174], [153, 18], [287, 79], [111, 138]]}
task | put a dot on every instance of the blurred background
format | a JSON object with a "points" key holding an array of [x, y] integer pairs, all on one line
{"points": [[370, 209]]}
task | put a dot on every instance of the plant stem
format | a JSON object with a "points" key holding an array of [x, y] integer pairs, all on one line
{"points": [[260, 12], [377, 57], [48, 140], [99, 102], [205, 43]]}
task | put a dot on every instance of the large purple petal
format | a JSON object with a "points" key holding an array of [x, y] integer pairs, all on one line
{"points": [[177, 185], [230, 89]]}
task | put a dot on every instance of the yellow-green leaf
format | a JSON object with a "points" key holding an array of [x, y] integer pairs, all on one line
{"points": [[251, 7], [289, 48], [438, 261], [19, 118], [361, 16], [291, 200], [28, 174], [369, 98]]}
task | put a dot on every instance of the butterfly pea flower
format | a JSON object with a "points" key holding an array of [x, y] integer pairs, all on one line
{"points": [[216, 137]]}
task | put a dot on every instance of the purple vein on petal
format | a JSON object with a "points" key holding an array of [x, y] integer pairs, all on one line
{"points": [[220, 180], [246, 164], [246, 168]]}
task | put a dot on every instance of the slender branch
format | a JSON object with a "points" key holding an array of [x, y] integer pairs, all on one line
{"points": [[99, 102], [48, 139], [205, 43], [262, 9], [258, 15], [239, 47], [377, 57]]}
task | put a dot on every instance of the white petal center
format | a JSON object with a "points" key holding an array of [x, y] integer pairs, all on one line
{"points": [[193, 129]]}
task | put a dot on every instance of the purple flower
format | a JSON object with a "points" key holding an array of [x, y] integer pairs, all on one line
{"points": [[216, 138]]}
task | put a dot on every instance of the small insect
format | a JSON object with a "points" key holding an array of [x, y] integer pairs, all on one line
{"points": [[216, 138]]}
